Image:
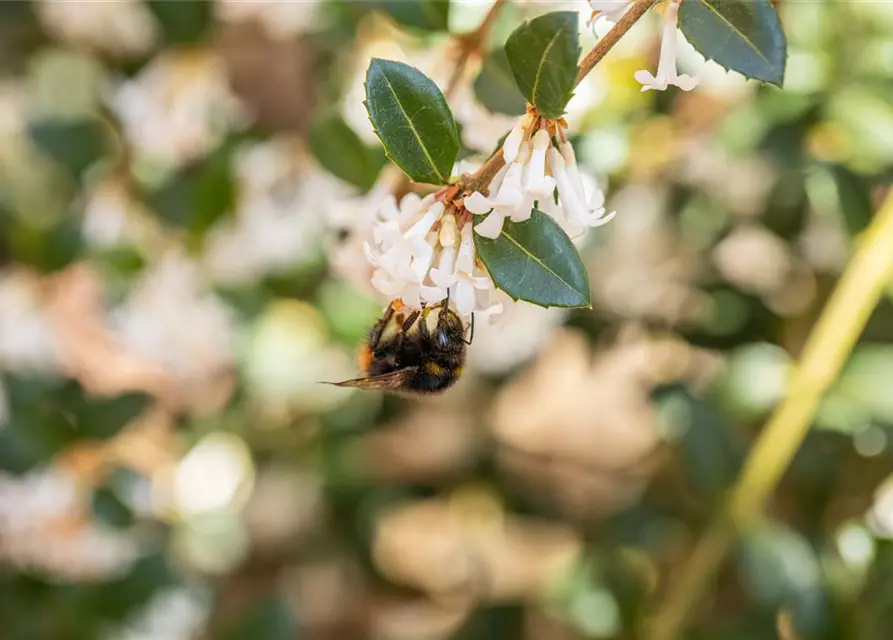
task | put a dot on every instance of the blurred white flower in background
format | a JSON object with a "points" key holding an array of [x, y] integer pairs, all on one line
{"points": [[119, 27], [467, 547], [280, 19], [512, 337], [178, 108], [580, 428], [278, 222], [754, 258], [170, 318], [352, 221], [27, 341], [45, 525], [880, 516], [286, 354], [667, 73], [174, 613], [112, 215], [657, 279]]}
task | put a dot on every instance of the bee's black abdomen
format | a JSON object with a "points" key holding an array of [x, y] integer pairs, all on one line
{"points": [[423, 382]]}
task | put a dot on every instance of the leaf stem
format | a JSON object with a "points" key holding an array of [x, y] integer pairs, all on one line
{"points": [[826, 350], [632, 15]]}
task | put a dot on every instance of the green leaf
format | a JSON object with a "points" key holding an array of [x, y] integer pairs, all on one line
{"points": [[198, 196], [182, 21], [46, 416], [495, 86], [341, 152], [74, 145], [535, 261], [542, 55], [412, 119], [104, 418], [427, 15], [108, 509], [710, 452], [741, 35]]}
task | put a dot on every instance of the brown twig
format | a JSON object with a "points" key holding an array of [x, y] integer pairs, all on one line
{"points": [[636, 11]]}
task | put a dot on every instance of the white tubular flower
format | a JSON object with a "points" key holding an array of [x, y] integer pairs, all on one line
{"points": [[529, 182], [421, 256], [666, 66], [536, 183], [507, 185], [579, 212], [607, 9]]}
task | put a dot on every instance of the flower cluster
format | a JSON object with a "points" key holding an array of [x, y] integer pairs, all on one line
{"points": [[423, 251], [536, 167]]}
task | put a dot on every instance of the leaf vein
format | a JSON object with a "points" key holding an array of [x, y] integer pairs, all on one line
{"points": [[412, 127]]}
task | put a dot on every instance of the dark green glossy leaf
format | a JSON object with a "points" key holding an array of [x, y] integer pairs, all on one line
{"points": [[266, 619], [108, 509], [781, 570], [741, 35], [535, 261], [74, 145], [542, 55], [427, 15], [495, 86], [45, 416], [853, 199], [710, 452], [198, 196], [182, 21], [47, 249], [340, 150], [105, 417], [412, 119]]}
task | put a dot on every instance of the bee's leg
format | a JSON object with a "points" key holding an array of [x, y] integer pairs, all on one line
{"points": [[423, 325], [407, 325], [471, 337], [379, 327]]}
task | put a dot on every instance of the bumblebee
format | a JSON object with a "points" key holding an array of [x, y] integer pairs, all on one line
{"points": [[411, 354]]}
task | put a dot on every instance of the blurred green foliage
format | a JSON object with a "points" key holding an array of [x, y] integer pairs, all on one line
{"points": [[805, 165]]}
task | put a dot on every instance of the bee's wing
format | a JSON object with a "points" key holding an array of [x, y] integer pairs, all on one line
{"points": [[393, 381]]}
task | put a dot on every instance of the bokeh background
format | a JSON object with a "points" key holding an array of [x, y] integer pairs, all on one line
{"points": [[179, 267]]}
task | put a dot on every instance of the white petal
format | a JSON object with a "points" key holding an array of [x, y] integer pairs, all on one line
{"points": [[410, 203], [423, 226], [465, 259], [496, 182], [431, 295], [478, 203], [444, 275], [463, 296], [512, 144], [510, 192], [686, 82], [491, 227], [648, 81]]}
